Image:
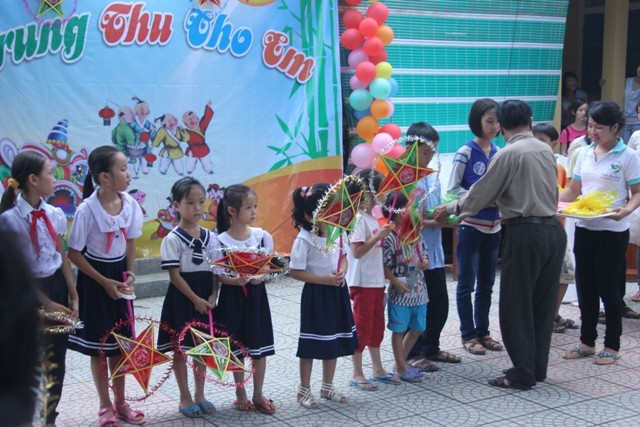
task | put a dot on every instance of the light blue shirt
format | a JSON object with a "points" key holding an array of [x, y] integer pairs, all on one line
{"points": [[432, 235]]}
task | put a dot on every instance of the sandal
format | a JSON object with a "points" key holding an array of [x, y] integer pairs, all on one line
{"points": [[474, 347], [131, 416], [111, 421], [503, 382], [207, 407], [244, 406], [422, 364], [629, 313], [560, 324], [192, 411], [306, 399], [443, 356], [578, 353], [606, 358], [266, 407], [491, 344], [636, 297], [332, 394]]}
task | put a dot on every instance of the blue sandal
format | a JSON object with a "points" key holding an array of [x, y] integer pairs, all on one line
{"points": [[207, 407], [192, 411]]}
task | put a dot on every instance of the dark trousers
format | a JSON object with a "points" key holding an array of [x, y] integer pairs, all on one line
{"points": [[437, 312], [532, 256], [54, 346], [600, 273]]}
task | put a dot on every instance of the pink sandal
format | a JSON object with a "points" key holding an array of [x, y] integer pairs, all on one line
{"points": [[104, 421], [132, 416]]}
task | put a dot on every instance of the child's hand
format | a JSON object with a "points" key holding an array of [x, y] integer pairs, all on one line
{"points": [[385, 230], [73, 306], [202, 306], [338, 278], [401, 287], [255, 281], [53, 307], [424, 264], [212, 299], [130, 282], [111, 288], [238, 281]]}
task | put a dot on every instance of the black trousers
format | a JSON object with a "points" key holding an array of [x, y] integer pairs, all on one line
{"points": [[600, 273], [54, 346], [532, 256], [428, 343]]}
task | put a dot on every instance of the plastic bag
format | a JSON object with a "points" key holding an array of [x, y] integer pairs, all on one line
{"points": [[448, 197], [592, 204]]}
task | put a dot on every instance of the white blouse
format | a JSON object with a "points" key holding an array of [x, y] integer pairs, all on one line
{"points": [[306, 256], [180, 250]]}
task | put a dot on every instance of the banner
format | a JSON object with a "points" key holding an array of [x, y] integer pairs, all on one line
{"points": [[227, 91]]}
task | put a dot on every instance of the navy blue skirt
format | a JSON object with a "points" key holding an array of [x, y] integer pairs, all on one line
{"points": [[99, 311], [177, 310], [327, 330], [247, 318]]}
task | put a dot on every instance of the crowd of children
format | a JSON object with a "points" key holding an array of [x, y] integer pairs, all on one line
{"points": [[343, 300]]}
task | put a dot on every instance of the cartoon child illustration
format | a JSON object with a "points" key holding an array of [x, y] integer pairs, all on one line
{"points": [[170, 135], [214, 194], [139, 196], [197, 149], [145, 132], [122, 136], [166, 222]]}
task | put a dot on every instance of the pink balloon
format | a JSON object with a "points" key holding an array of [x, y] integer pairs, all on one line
{"points": [[356, 170], [362, 155], [382, 143], [392, 108], [355, 83], [397, 151], [379, 12], [366, 72], [373, 46], [352, 18], [368, 27], [352, 39], [376, 211], [356, 57], [381, 57], [392, 129]]}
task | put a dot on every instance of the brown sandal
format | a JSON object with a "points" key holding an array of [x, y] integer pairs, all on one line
{"points": [[474, 347], [443, 356], [491, 344]]}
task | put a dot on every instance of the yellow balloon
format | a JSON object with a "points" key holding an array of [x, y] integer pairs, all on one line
{"points": [[384, 70]]}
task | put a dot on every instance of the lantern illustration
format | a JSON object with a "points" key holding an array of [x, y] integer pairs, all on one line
{"points": [[106, 114]]}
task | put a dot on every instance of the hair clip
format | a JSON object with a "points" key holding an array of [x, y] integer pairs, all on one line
{"points": [[13, 183], [303, 191]]}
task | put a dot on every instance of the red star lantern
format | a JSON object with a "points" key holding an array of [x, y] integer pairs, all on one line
{"points": [[139, 357], [257, 263], [404, 172]]}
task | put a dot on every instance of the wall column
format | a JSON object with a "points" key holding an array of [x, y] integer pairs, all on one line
{"points": [[614, 50]]}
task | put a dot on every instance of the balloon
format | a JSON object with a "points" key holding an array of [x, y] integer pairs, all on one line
{"points": [[355, 83], [384, 70], [353, 2], [362, 113], [352, 18], [382, 143], [392, 109], [396, 151], [362, 155], [380, 88], [385, 34], [376, 211], [380, 109], [373, 46], [366, 72], [376, 59], [357, 56], [367, 127], [352, 39], [360, 99], [394, 86], [368, 27], [380, 167], [379, 12], [392, 129]]}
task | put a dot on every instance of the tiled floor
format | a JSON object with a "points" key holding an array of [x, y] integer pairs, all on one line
{"points": [[576, 393]]}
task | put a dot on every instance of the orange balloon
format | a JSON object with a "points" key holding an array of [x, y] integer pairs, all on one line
{"points": [[367, 127], [380, 108], [385, 34], [380, 167]]}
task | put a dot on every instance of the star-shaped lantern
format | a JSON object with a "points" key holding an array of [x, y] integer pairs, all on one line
{"points": [[247, 263], [215, 354], [139, 357], [339, 208], [54, 5], [404, 172], [410, 225]]}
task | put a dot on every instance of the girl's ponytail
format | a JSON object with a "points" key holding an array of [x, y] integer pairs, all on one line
{"points": [[25, 163], [88, 188], [9, 196]]}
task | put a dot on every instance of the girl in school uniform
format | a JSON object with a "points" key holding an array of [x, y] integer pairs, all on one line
{"points": [[243, 307], [327, 330], [39, 227], [102, 246], [193, 289]]}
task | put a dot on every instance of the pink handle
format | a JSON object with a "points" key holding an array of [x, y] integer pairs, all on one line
{"points": [[340, 254], [393, 206], [130, 309], [210, 322]]}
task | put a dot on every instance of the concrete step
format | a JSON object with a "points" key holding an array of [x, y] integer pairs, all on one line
{"points": [[152, 284], [147, 266]]}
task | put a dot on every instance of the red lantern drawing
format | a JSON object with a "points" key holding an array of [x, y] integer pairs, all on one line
{"points": [[106, 114]]}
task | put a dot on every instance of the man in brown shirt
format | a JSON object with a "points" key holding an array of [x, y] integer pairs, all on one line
{"points": [[521, 181]]}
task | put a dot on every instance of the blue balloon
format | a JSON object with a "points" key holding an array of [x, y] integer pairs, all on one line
{"points": [[380, 88], [362, 113], [360, 99], [394, 86]]}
